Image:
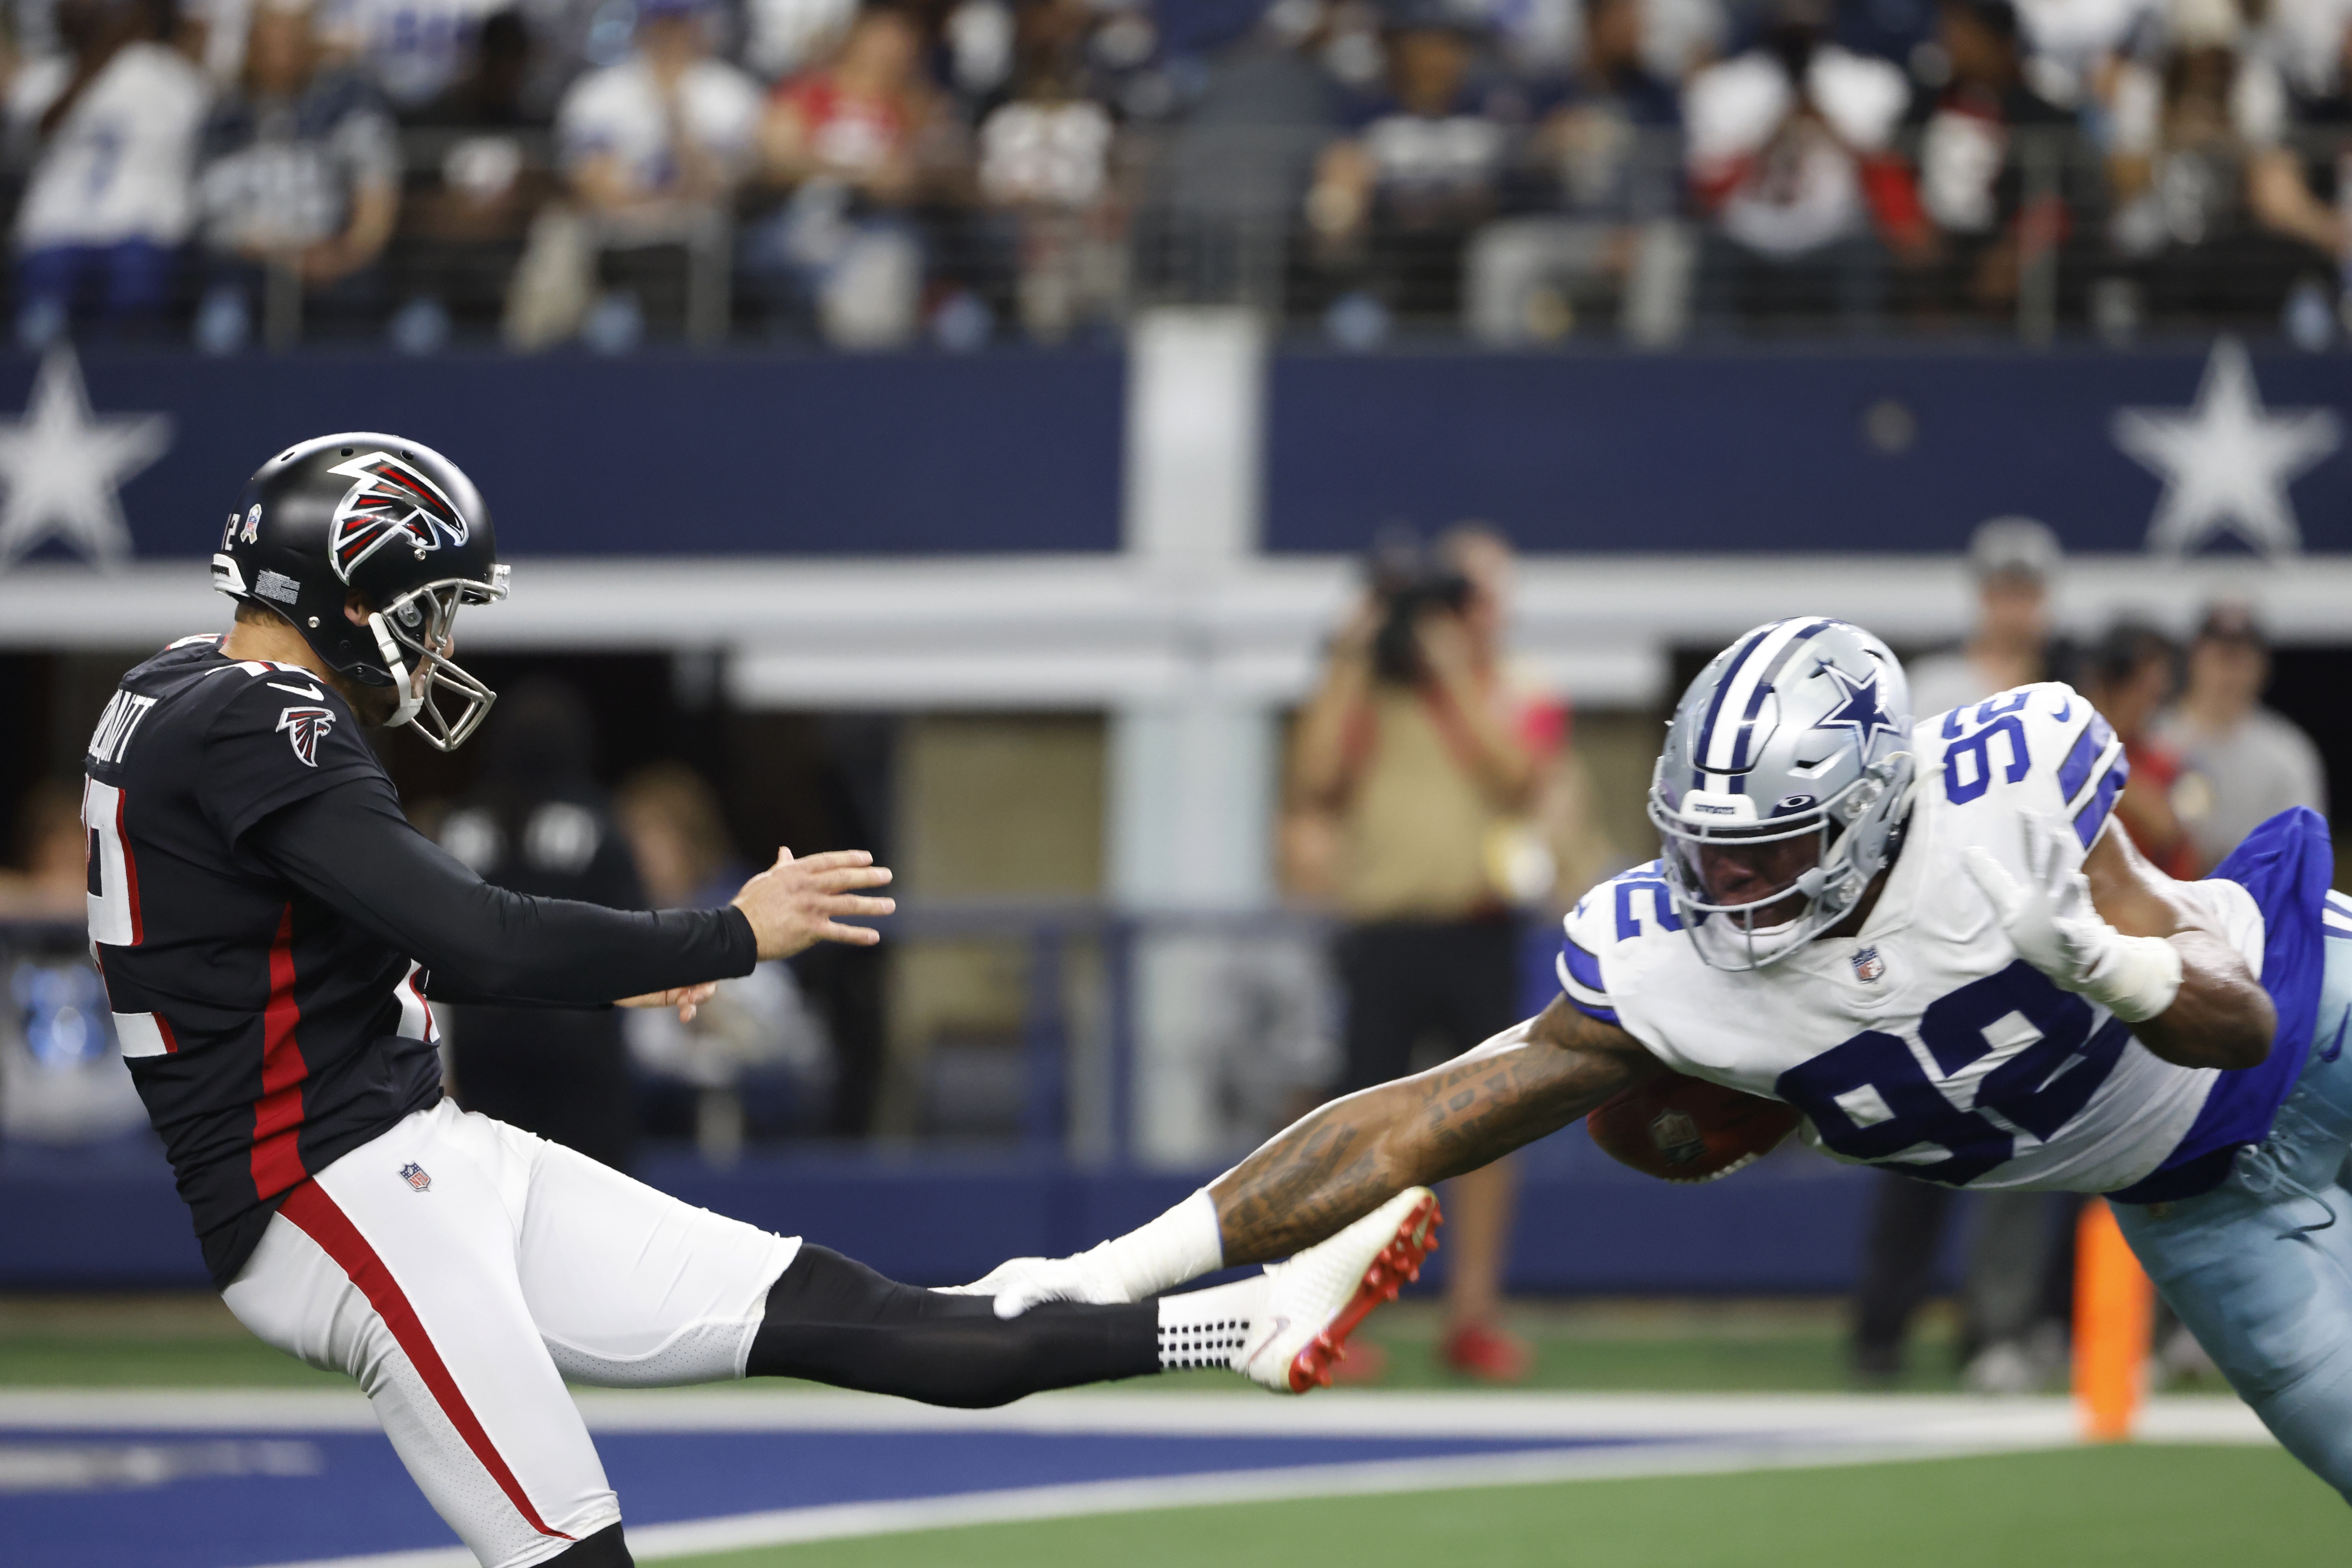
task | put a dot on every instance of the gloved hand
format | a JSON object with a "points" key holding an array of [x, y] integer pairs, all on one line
{"points": [[2056, 928], [1021, 1283], [1182, 1244]]}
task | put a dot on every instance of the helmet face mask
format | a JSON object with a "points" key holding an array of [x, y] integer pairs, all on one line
{"points": [[378, 519], [1782, 788], [415, 636]]}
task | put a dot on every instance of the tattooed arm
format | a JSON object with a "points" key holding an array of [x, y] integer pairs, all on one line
{"points": [[1347, 1159], [1344, 1160]]}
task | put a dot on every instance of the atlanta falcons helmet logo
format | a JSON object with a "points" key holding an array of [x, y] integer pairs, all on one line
{"points": [[389, 499], [303, 729]]}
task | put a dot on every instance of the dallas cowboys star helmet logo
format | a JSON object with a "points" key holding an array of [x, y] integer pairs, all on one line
{"points": [[1860, 710]]}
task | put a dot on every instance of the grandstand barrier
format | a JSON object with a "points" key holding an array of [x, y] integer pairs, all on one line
{"points": [[107, 1218], [1835, 450]]}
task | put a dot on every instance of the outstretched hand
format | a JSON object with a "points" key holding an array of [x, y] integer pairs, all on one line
{"points": [[795, 904], [687, 999]]}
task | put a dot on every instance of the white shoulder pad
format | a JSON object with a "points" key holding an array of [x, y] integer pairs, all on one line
{"points": [[2038, 748], [1631, 907]]}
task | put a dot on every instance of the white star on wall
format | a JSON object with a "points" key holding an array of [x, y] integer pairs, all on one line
{"points": [[62, 467], [2226, 462]]}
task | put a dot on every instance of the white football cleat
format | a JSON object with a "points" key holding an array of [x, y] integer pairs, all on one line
{"points": [[1314, 1301]]}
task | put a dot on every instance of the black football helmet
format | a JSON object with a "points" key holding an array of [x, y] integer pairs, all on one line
{"points": [[393, 521]]}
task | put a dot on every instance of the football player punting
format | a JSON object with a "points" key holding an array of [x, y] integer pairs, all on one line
{"points": [[1930, 941], [271, 929]]}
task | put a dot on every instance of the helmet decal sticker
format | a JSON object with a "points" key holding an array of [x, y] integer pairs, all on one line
{"points": [[390, 500], [252, 525], [279, 586], [1861, 712], [304, 728]]}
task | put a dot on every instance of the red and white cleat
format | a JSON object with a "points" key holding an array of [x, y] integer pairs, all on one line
{"points": [[1314, 1300]]}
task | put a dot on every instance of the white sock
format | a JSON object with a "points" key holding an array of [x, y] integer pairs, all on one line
{"points": [[1208, 1327]]}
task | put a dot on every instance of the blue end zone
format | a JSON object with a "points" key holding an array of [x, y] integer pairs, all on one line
{"points": [[355, 1497]]}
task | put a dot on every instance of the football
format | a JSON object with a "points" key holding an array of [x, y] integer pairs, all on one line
{"points": [[1686, 1130]]}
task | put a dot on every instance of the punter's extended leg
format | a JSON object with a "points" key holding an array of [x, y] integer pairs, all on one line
{"points": [[833, 1320]]}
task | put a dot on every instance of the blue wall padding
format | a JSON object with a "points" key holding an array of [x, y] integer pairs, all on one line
{"points": [[1586, 1224]]}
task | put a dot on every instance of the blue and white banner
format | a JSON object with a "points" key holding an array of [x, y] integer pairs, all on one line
{"points": [[1820, 452], [2197, 452]]}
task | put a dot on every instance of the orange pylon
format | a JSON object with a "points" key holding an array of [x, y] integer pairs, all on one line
{"points": [[2114, 1314]]}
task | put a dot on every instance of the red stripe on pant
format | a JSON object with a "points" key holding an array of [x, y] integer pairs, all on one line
{"points": [[315, 1214], [278, 1114]]}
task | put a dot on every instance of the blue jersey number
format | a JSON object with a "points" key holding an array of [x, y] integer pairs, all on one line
{"points": [[1871, 1099], [1968, 762]]}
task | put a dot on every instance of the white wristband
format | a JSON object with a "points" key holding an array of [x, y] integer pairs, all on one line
{"points": [[1182, 1244], [2136, 978]]}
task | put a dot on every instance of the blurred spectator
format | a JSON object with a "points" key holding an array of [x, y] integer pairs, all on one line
{"points": [[2129, 678], [301, 172], [52, 885], [1972, 168], [753, 1027], [412, 50], [2013, 559], [1046, 157], [61, 1075], [2246, 763], [653, 149], [467, 211], [1791, 151], [1241, 163], [2009, 1342], [852, 143], [2210, 205], [1433, 767], [785, 38], [1394, 203], [1611, 151], [537, 824], [113, 124]]}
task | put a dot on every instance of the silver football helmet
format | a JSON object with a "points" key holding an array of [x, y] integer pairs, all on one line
{"points": [[1799, 736]]}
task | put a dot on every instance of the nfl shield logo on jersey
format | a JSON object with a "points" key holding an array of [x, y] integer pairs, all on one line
{"points": [[414, 1173], [1868, 967]]}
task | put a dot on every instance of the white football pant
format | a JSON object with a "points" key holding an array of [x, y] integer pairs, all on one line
{"points": [[460, 1269]]}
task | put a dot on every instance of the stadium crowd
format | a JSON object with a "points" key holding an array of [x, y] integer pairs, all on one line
{"points": [[228, 172]]}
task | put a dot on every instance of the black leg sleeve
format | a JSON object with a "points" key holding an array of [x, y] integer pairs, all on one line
{"points": [[606, 1549], [832, 1319]]}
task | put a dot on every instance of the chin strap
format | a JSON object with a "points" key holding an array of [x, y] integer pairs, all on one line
{"points": [[388, 647]]}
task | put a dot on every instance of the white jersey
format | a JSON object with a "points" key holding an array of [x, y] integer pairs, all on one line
{"points": [[1925, 1041], [120, 165]]}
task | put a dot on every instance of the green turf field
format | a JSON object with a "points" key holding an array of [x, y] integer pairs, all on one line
{"points": [[2100, 1507]]}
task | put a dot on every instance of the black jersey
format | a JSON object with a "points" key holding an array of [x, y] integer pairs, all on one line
{"points": [[259, 906]]}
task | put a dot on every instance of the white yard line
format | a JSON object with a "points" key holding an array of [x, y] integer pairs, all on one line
{"points": [[1337, 1413]]}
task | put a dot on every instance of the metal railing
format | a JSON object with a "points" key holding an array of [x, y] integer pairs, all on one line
{"points": [[1073, 1043]]}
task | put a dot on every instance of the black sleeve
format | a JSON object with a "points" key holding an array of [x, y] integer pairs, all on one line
{"points": [[350, 846]]}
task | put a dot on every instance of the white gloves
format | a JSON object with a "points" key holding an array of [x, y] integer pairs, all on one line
{"points": [[2054, 927], [1182, 1244]]}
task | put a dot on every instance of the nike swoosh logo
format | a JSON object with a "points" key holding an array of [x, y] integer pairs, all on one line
{"points": [[2335, 1048], [1274, 1329], [312, 692]]}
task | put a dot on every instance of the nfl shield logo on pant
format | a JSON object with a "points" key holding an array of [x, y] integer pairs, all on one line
{"points": [[414, 1173]]}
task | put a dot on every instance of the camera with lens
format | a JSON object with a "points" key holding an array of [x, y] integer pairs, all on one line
{"points": [[1411, 581]]}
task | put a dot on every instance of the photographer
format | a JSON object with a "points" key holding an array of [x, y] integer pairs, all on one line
{"points": [[1427, 767]]}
